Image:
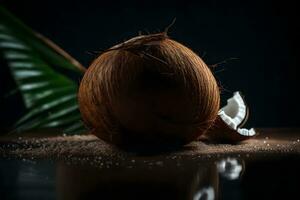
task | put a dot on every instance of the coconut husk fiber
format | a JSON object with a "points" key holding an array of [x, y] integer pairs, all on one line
{"points": [[269, 142], [148, 90]]}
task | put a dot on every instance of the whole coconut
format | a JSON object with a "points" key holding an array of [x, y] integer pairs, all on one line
{"points": [[149, 90]]}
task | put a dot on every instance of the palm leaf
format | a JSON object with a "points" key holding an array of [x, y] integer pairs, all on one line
{"points": [[42, 72]]}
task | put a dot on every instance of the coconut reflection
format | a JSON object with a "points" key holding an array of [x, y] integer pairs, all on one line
{"points": [[168, 180], [230, 168], [207, 193]]}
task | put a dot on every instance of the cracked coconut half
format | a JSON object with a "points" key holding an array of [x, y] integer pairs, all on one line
{"points": [[228, 125]]}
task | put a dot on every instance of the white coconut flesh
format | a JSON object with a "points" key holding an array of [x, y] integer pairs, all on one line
{"points": [[234, 113]]}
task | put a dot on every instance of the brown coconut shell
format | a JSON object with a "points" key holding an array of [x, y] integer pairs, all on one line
{"points": [[149, 90], [221, 132]]}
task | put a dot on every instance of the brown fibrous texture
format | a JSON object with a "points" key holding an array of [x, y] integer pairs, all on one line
{"points": [[149, 90]]}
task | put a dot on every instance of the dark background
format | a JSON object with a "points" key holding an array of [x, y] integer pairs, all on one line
{"points": [[262, 34]]}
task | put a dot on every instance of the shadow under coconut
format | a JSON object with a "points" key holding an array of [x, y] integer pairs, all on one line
{"points": [[147, 144]]}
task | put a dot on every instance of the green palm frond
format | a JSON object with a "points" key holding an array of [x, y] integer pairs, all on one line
{"points": [[42, 74]]}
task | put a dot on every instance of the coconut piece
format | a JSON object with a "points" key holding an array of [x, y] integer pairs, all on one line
{"points": [[236, 112], [227, 127]]}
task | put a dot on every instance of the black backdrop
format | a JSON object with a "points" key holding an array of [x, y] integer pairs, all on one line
{"points": [[262, 34]]}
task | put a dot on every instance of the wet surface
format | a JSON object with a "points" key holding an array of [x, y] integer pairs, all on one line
{"points": [[83, 167], [175, 178]]}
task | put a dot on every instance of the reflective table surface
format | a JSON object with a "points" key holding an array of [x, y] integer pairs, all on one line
{"points": [[83, 167]]}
